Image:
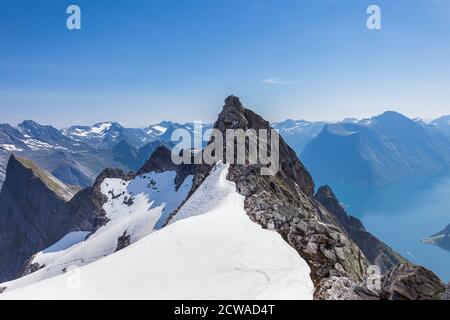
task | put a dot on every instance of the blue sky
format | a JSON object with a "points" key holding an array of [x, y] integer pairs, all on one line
{"points": [[142, 61]]}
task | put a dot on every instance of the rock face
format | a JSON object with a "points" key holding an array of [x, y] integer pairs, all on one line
{"points": [[31, 200], [161, 160], [341, 288], [37, 210], [409, 282], [375, 250], [447, 293]]}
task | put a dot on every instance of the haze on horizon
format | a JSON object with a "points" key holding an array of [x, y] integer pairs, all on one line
{"points": [[149, 61]]}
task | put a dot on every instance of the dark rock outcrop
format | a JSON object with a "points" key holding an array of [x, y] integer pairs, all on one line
{"points": [[32, 214], [161, 160], [123, 241], [375, 250], [410, 282]]}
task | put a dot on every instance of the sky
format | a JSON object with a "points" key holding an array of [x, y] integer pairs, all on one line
{"points": [[142, 61]]}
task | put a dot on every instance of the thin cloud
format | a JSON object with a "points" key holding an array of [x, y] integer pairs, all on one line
{"points": [[281, 82]]}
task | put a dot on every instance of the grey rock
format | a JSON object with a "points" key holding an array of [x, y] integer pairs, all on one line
{"points": [[377, 252], [161, 160], [341, 288], [410, 282], [123, 241], [447, 293]]}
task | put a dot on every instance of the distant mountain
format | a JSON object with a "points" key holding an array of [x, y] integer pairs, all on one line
{"points": [[164, 130], [298, 133], [376, 152], [442, 124], [105, 135], [133, 157], [77, 155], [440, 239]]}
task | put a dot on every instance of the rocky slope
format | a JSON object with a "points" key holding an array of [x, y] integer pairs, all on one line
{"points": [[377, 252], [32, 202], [447, 293], [409, 282]]}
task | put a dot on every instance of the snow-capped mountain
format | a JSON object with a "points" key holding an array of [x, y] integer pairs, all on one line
{"points": [[105, 135], [219, 231], [165, 129], [74, 162], [298, 133], [73, 159]]}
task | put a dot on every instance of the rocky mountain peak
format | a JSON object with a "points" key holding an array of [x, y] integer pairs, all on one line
{"points": [[235, 116], [23, 171], [161, 160], [234, 102]]}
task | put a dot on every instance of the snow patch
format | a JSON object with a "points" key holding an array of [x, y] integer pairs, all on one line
{"points": [[10, 148]]}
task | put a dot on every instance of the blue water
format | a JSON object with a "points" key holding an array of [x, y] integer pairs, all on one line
{"points": [[402, 216]]}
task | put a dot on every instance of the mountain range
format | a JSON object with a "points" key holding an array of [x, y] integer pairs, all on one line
{"points": [[78, 154], [198, 231], [384, 150]]}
